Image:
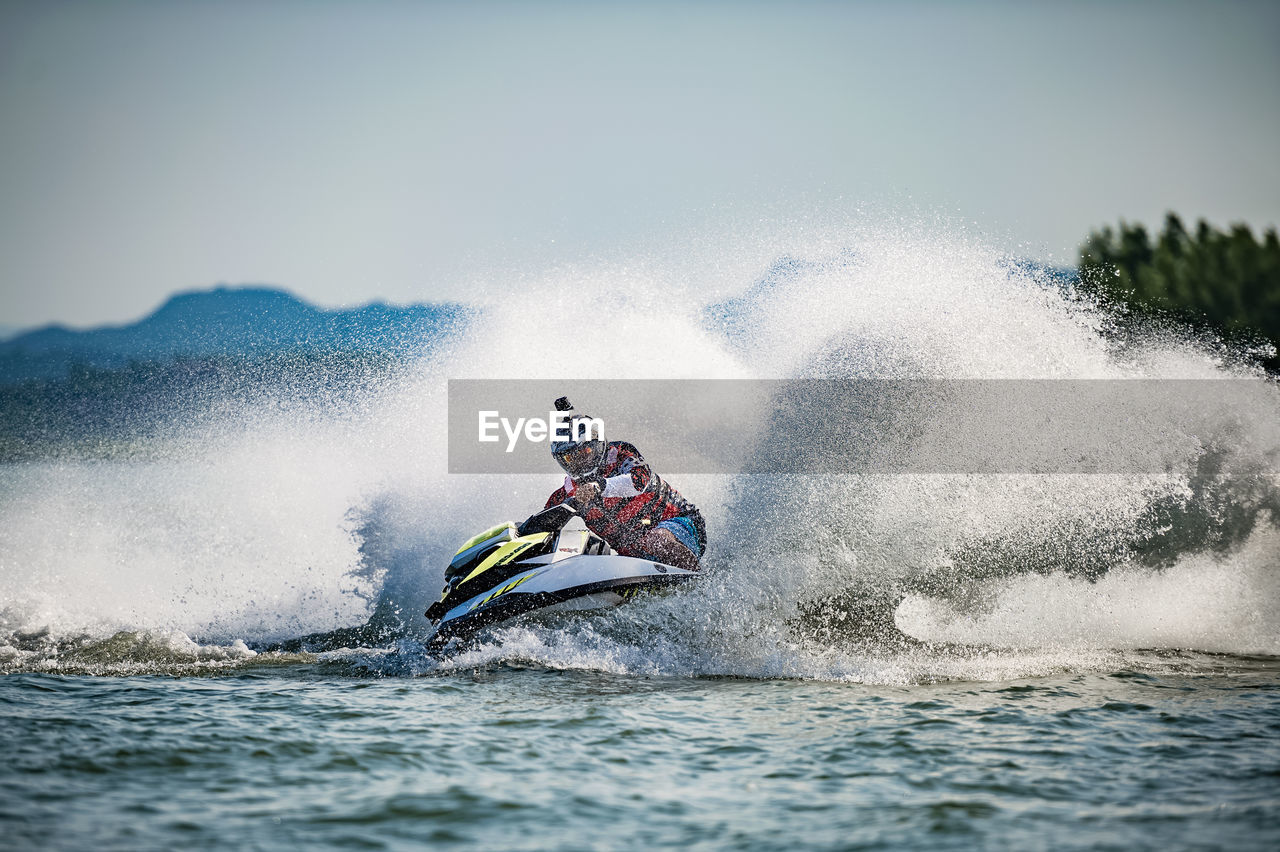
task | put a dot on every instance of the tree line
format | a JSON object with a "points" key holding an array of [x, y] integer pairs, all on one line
{"points": [[1227, 281]]}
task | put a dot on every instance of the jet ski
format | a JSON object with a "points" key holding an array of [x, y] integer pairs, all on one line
{"points": [[539, 566]]}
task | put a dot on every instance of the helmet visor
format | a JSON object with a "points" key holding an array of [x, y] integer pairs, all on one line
{"points": [[579, 459]]}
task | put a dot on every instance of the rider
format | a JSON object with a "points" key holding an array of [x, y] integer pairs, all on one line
{"points": [[623, 501]]}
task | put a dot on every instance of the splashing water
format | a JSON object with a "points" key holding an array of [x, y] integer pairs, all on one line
{"points": [[279, 520]]}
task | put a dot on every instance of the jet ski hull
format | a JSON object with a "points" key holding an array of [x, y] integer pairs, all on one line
{"points": [[575, 582]]}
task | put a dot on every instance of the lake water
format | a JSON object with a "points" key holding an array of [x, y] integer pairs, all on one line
{"points": [[1165, 751]]}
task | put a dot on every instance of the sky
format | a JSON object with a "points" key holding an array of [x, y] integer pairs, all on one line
{"points": [[399, 151]]}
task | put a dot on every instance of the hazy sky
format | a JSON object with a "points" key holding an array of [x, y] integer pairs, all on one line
{"points": [[353, 151]]}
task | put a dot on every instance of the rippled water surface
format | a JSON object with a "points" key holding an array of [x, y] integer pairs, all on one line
{"points": [[1174, 751]]}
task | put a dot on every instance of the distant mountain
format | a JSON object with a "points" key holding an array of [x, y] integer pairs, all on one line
{"points": [[241, 323]]}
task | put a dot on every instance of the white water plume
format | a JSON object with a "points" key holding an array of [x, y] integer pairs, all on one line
{"points": [[284, 520]]}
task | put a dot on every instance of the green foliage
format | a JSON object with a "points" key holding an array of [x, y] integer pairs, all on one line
{"points": [[1227, 281]]}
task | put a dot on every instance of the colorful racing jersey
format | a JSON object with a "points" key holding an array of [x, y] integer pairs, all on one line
{"points": [[632, 501]]}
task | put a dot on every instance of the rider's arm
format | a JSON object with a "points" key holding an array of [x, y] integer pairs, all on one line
{"points": [[559, 495], [633, 474], [623, 485]]}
